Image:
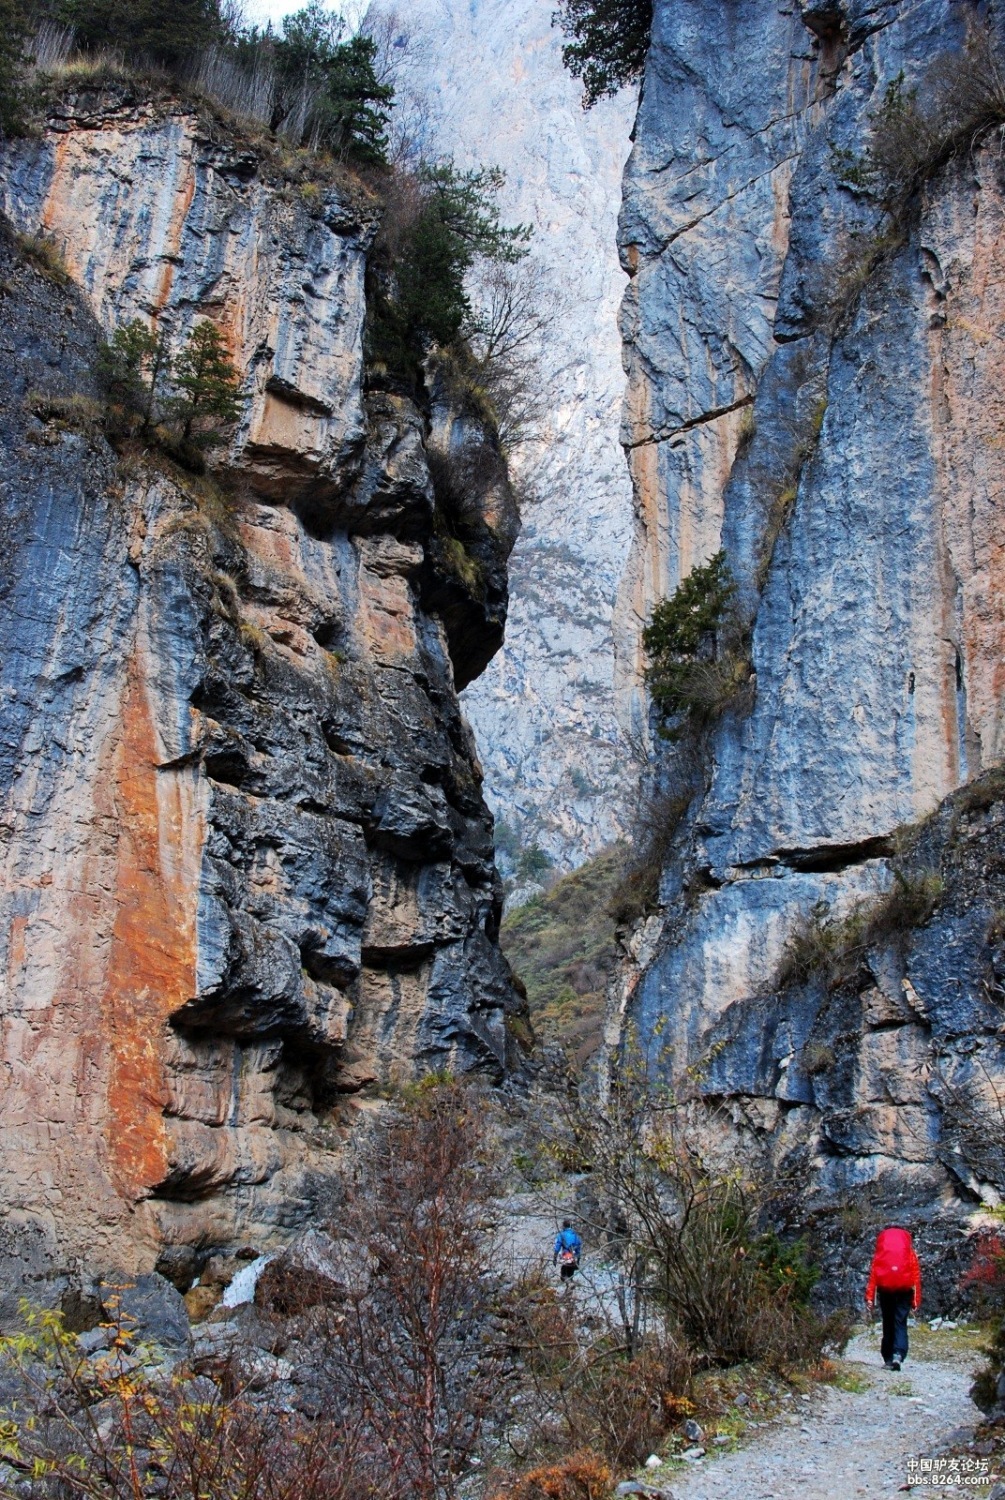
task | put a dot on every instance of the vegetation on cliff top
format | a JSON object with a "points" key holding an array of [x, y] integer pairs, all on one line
{"points": [[313, 82], [607, 43], [329, 91]]}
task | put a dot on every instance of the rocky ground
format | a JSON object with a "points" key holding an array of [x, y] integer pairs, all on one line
{"points": [[854, 1441]]}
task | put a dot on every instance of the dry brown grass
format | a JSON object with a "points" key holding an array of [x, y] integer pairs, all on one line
{"points": [[72, 413], [583, 1476], [835, 946], [46, 256]]}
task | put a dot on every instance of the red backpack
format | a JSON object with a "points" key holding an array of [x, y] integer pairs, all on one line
{"points": [[895, 1265]]}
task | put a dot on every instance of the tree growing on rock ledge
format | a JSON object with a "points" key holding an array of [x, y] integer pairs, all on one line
{"points": [[607, 43], [207, 383], [137, 366], [694, 646]]}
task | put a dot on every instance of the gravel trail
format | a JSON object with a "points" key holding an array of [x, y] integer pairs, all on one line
{"points": [[840, 1444]]}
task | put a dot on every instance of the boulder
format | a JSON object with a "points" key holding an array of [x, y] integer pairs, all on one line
{"points": [[315, 1270], [151, 1307]]}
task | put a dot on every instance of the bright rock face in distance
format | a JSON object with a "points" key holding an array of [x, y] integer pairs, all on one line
{"points": [[247, 867], [558, 769], [820, 395]]}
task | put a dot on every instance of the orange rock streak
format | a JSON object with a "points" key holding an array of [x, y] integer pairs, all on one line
{"points": [[152, 964]]}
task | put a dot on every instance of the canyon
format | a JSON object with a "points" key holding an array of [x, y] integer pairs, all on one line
{"points": [[550, 712], [249, 869]]}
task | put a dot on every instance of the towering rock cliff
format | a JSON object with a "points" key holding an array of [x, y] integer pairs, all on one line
{"points": [[815, 388], [247, 867], [546, 715]]}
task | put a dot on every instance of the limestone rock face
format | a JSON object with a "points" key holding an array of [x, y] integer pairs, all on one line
{"points": [[546, 711], [161, 214], [832, 423], [247, 867]]}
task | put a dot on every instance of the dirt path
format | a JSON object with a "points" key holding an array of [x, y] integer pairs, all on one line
{"points": [[843, 1444]]}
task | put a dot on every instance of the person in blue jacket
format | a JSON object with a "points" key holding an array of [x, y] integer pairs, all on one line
{"points": [[568, 1248]]}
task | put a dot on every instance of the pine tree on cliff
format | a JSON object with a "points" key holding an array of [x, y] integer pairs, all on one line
{"points": [[327, 82], [166, 32], [208, 383], [443, 221], [134, 363], [607, 43], [13, 67]]}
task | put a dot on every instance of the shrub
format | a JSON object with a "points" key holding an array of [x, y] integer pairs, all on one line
{"points": [[818, 1058], [984, 1278], [689, 1230], [658, 816], [916, 131], [583, 1476], [115, 1426], [622, 1406], [462, 478], [691, 674], [409, 1354], [785, 1267], [607, 43], [241, 80], [836, 945], [513, 313]]}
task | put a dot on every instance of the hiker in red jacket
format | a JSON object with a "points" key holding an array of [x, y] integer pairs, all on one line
{"points": [[896, 1275]]}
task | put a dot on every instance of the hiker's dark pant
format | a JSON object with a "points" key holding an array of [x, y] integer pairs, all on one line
{"points": [[895, 1307]]}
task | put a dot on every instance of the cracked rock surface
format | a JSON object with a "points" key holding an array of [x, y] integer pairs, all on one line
{"points": [[836, 434], [247, 866]]}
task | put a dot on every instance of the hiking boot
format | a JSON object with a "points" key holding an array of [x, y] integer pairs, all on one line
{"points": [[895, 1364], [888, 1364]]}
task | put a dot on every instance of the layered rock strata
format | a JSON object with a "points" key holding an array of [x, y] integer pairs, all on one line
{"points": [[816, 389], [247, 867]]}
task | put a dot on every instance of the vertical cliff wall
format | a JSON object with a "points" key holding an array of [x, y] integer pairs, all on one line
{"points": [[545, 712], [815, 389], [247, 867]]}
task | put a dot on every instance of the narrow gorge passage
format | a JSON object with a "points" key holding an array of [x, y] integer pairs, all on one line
{"points": [[502, 747]]}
